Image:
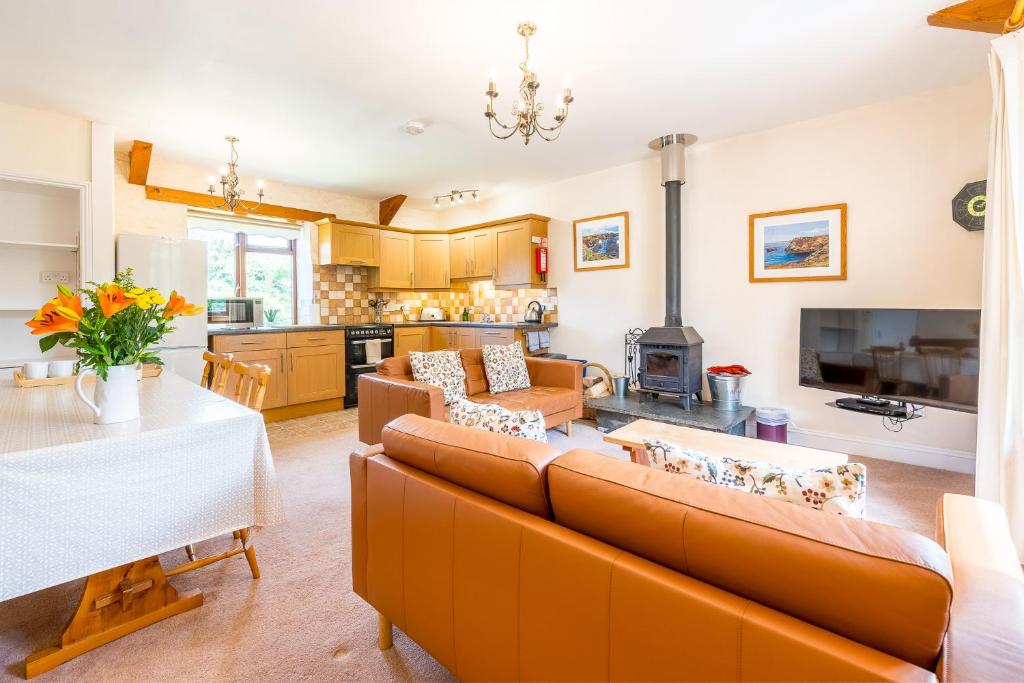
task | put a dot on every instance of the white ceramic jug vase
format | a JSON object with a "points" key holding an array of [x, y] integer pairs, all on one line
{"points": [[115, 399]]}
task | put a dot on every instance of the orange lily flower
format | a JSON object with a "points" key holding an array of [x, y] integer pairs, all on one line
{"points": [[112, 299], [49, 319], [70, 304], [177, 305]]}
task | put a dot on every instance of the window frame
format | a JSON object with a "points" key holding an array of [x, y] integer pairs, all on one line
{"points": [[242, 248]]}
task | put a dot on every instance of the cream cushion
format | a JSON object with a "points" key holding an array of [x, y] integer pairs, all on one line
{"points": [[505, 367], [841, 488], [526, 424], [440, 369]]}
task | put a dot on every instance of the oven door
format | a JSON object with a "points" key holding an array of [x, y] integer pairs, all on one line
{"points": [[355, 352]]}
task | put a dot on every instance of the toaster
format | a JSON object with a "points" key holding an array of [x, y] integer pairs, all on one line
{"points": [[431, 314]]}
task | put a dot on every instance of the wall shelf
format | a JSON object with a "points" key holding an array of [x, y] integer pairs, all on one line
{"points": [[43, 245]]}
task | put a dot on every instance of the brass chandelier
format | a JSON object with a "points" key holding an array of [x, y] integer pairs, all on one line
{"points": [[526, 110], [229, 184]]}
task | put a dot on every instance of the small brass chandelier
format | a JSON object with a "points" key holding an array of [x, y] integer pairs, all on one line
{"points": [[526, 111], [229, 184]]}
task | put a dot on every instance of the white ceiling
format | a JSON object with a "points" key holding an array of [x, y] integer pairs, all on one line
{"points": [[318, 90]]}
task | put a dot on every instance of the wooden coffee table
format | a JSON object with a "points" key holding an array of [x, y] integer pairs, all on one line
{"points": [[631, 438]]}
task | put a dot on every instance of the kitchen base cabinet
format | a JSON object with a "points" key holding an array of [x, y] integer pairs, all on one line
{"points": [[316, 373], [307, 369], [411, 339], [277, 386]]}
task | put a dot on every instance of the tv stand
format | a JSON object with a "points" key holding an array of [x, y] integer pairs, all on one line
{"points": [[873, 405]]}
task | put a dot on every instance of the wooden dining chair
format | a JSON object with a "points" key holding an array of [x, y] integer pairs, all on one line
{"points": [[249, 390], [251, 387], [216, 371]]}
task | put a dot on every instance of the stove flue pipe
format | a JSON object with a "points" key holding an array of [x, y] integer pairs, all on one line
{"points": [[673, 176]]}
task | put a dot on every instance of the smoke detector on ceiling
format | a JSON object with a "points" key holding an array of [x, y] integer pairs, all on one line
{"points": [[414, 127]]}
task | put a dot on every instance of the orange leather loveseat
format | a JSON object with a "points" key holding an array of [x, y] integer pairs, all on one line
{"points": [[507, 561], [556, 390]]}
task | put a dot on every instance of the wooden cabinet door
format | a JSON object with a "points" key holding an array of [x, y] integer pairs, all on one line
{"points": [[481, 253], [430, 270], [411, 339], [459, 255], [514, 254], [316, 373], [277, 387], [356, 245], [396, 261], [466, 338]]}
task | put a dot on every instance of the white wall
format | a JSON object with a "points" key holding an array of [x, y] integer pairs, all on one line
{"points": [[896, 164], [39, 144]]}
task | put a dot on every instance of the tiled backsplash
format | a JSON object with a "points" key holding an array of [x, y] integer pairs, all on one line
{"points": [[343, 293]]}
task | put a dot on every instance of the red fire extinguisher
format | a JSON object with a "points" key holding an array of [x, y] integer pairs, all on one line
{"points": [[542, 262]]}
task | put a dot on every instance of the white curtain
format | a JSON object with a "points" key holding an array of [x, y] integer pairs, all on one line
{"points": [[305, 257], [1000, 458]]}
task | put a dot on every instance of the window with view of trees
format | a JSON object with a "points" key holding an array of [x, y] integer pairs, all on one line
{"points": [[251, 265]]}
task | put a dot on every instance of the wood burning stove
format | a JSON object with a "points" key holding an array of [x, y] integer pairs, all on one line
{"points": [[670, 356]]}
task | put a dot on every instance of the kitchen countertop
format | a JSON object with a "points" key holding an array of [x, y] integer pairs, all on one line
{"points": [[218, 331]]}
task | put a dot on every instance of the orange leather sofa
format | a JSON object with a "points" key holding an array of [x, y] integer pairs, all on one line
{"points": [[507, 561], [556, 390]]}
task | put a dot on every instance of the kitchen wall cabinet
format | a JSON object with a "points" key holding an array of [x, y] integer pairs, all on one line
{"points": [[458, 251], [316, 373], [396, 261], [411, 339], [472, 254], [348, 244], [515, 257], [481, 253], [431, 266]]}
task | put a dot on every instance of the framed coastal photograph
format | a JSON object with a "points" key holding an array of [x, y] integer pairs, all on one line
{"points": [[798, 244], [601, 242]]}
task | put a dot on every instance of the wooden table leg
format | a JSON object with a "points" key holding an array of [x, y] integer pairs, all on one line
{"points": [[114, 603], [637, 454]]}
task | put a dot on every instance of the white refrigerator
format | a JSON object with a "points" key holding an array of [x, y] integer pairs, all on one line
{"points": [[166, 263]]}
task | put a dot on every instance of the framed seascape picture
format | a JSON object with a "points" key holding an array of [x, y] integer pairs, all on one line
{"points": [[601, 242], [799, 244]]}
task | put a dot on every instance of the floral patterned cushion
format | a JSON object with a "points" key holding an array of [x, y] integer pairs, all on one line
{"points": [[505, 367], [440, 369], [840, 489], [526, 424]]}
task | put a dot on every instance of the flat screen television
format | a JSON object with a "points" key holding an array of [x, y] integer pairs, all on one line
{"points": [[918, 356]]}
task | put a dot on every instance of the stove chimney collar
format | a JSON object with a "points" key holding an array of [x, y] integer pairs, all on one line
{"points": [[673, 158]]}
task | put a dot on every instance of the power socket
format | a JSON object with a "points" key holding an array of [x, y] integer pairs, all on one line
{"points": [[55, 277]]}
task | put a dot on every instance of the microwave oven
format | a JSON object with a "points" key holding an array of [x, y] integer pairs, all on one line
{"points": [[240, 312]]}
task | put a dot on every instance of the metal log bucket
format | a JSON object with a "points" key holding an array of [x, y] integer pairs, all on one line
{"points": [[725, 391]]}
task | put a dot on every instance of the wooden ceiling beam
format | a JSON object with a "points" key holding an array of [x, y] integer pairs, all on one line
{"points": [[987, 16], [389, 207], [138, 162], [206, 201]]}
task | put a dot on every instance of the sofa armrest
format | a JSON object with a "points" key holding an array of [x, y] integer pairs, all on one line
{"points": [[357, 479], [550, 372], [382, 399], [985, 639]]}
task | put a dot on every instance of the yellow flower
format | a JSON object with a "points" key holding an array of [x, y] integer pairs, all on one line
{"points": [[145, 298]]}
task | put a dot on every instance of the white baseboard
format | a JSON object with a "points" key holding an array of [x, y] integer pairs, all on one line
{"points": [[911, 454]]}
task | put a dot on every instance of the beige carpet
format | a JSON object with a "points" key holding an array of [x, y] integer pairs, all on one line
{"points": [[301, 621]]}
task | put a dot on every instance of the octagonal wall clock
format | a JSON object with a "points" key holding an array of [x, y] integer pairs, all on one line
{"points": [[969, 206]]}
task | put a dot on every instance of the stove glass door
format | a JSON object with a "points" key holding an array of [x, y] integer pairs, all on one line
{"points": [[662, 364]]}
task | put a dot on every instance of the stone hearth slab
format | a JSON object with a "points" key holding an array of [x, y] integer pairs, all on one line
{"points": [[617, 411]]}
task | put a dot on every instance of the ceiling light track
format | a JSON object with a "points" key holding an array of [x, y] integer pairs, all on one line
{"points": [[455, 196]]}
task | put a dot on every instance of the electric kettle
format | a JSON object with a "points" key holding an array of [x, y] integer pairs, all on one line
{"points": [[534, 312]]}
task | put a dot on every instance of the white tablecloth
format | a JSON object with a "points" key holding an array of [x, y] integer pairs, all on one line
{"points": [[77, 498]]}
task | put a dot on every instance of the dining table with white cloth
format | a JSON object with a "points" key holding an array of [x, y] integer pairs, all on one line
{"points": [[78, 498]]}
